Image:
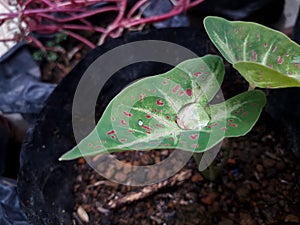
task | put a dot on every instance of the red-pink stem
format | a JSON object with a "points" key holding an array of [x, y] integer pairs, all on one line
{"points": [[136, 7], [80, 38], [56, 28], [80, 16]]}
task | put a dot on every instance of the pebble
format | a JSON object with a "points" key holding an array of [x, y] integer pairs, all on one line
{"points": [[209, 198], [83, 214], [291, 219], [269, 163], [259, 168], [243, 193], [246, 219], [197, 177], [120, 176]]}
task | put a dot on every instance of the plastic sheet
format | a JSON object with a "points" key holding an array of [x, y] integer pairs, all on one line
{"points": [[20, 88], [10, 210], [158, 7]]}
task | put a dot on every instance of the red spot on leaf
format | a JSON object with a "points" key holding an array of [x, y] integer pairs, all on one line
{"points": [[159, 125], [167, 145], [98, 146], [212, 125], [160, 102], [271, 66], [188, 92], [258, 36], [203, 78], [142, 97], [244, 114], [165, 82], [233, 125], [148, 116], [123, 123], [280, 60], [113, 118], [146, 127], [130, 131], [223, 128], [127, 114], [287, 54], [265, 45], [176, 88], [194, 136], [123, 140], [231, 120], [111, 132], [168, 117], [155, 110], [197, 74], [154, 90], [181, 93], [113, 137], [195, 145], [254, 55], [274, 49], [90, 145]]}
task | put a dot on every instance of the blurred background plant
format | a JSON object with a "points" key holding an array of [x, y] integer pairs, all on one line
{"points": [[72, 17]]}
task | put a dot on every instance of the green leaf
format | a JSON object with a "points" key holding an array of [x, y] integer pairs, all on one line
{"points": [[265, 52], [59, 37], [52, 56], [264, 77], [171, 110]]}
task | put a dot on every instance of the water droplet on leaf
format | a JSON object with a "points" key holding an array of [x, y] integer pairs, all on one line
{"points": [[140, 122]]}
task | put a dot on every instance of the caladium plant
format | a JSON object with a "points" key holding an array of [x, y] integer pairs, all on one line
{"points": [[266, 58], [173, 111]]}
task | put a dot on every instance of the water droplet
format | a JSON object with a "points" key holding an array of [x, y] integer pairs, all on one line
{"points": [[140, 122]]}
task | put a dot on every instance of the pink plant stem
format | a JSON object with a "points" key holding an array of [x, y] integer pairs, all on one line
{"points": [[56, 28], [153, 19], [81, 16], [136, 7], [80, 38]]}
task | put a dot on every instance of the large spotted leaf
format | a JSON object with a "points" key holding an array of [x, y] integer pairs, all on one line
{"points": [[171, 111], [265, 57]]}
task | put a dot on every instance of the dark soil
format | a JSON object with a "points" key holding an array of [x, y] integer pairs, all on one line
{"points": [[260, 184]]}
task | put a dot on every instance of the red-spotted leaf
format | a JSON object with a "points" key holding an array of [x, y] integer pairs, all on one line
{"points": [[150, 113], [265, 58]]}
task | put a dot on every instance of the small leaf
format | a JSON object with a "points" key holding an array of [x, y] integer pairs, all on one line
{"points": [[52, 56], [264, 51]]}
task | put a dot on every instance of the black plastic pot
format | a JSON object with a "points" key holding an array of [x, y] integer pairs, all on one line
{"points": [[45, 185]]}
